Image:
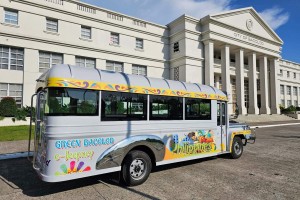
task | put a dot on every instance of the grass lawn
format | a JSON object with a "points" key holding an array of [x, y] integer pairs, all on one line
{"points": [[11, 133]]}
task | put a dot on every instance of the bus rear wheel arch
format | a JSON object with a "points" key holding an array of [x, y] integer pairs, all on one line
{"points": [[136, 168]]}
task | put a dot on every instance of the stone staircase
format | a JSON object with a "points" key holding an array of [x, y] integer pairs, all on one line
{"points": [[262, 118]]}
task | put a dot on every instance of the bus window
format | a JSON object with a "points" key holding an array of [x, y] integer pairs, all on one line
{"points": [[223, 114], [119, 106], [197, 109], [218, 114], [72, 102], [166, 108]]}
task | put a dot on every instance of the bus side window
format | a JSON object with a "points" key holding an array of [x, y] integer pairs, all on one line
{"points": [[197, 109], [72, 102], [218, 115], [166, 108], [120, 106], [223, 114]]}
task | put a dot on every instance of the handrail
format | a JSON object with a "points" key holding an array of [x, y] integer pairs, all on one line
{"points": [[30, 126]]}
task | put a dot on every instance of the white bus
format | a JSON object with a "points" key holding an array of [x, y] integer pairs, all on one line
{"points": [[91, 122]]}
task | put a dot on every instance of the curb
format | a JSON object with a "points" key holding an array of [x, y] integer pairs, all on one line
{"points": [[15, 155], [274, 125]]}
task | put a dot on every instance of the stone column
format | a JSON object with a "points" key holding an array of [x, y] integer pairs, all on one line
{"points": [[253, 109], [127, 68], [209, 62], [298, 93], [69, 59], [225, 69], [292, 95], [264, 85], [285, 95], [100, 64], [30, 74], [217, 85], [274, 87], [240, 90]]}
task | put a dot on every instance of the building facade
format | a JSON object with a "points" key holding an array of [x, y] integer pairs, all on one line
{"points": [[235, 51]]}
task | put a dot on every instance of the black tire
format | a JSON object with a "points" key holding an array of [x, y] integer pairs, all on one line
{"points": [[236, 148], [136, 168]]}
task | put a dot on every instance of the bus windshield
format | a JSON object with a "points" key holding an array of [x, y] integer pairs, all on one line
{"points": [[72, 102]]}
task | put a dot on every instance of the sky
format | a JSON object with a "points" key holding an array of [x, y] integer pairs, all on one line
{"points": [[281, 15]]}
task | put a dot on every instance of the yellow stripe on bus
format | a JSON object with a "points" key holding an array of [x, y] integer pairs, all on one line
{"points": [[83, 84]]}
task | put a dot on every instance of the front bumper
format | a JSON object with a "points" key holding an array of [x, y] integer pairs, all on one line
{"points": [[250, 138]]}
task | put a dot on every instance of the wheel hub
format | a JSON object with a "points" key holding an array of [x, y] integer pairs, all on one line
{"points": [[237, 148], [137, 169]]}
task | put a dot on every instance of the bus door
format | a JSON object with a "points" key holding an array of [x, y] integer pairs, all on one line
{"points": [[222, 123], [39, 140]]}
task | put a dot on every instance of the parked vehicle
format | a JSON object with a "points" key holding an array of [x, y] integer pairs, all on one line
{"points": [[90, 122]]}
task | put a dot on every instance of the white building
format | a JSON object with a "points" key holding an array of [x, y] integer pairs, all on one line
{"points": [[235, 51]]}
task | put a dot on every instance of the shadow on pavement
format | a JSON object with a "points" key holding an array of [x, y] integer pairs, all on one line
{"points": [[19, 174]]}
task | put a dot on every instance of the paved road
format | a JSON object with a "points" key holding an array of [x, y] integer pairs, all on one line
{"points": [[269, 169]]}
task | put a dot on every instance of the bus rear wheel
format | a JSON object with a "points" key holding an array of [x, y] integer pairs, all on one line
{"points": [[136, 168], [236, 148]]}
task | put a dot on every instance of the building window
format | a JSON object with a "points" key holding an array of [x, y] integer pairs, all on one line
{"points": [[288, 74], [289, 92], [11, 16], [86, 32], [52, 25], [176, 47], [282, 89], [48, 59], [295, 92], [114, 38], [176, 73], [258, 84], [85, 62], [114, 66], [139, 70], [295, 76], [282, 102], [246, 95], [11, 58], [281, 73], [139, 43], [296, 103], [289, 103], [12, 90]]}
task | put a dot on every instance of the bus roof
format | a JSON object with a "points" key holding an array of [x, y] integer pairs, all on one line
{"points": [[90, 78]]}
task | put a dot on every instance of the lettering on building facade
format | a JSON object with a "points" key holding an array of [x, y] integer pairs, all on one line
{"points": [[248, 39]]}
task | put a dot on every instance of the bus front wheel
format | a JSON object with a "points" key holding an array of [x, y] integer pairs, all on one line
{"points": [[136, 168], [236, 148]]}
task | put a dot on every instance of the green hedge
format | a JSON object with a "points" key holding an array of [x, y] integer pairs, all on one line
{"points": [[8, 107]]}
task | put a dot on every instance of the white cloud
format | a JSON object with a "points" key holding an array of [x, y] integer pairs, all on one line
{"points": [[275, 17], [165, 11]]}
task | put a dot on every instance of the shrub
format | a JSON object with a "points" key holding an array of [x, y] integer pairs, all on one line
{"points": [[8, 107], [23, 112], [288, 110]]}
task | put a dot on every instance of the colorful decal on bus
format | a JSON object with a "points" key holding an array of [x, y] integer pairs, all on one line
{"points": [[194, 143], [72, 168], [73, 83]]}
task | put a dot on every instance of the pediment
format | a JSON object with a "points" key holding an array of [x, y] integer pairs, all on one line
{"points": [[248, 20]]}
